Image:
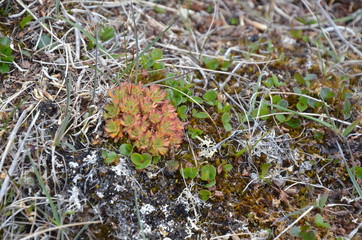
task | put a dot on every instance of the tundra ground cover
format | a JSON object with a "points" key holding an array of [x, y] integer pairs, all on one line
{"points": [[268, 92]]}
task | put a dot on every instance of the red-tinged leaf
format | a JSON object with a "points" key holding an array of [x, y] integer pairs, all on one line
{"points": [[147, 105], [126, 87], [129, 119], [168, 110], [159, 145], [136, 90], [155, 116], [130, 105], [116, 94], [144, 141], [111, 111], [113, 128], [144, 114], [175, 139], [155, 93], [138, 129]]}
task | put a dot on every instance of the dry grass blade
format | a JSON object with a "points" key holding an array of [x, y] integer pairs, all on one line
{"points": [[17, 157], [12, 136], [65, 226]]}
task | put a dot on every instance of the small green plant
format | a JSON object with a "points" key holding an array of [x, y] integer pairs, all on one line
{"points": [[194, 132], [141, 160], [305, 232], [358, 172], [107, 33], [144, 116], [189, 172], [319, 222], [6, 57], [234, 21], [214, 63], [225, 118], [126, 149], [150, 61], [273, 82], [25, 21], [210, 97], [198, 114], [264, 170], [178, 92], [205, 194], [109, 156], [208, 174]]}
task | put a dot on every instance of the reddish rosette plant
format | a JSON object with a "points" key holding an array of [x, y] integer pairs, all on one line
{"points": [[145, 116]]}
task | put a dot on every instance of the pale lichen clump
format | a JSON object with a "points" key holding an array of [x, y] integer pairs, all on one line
{"points": [[208, 147]]}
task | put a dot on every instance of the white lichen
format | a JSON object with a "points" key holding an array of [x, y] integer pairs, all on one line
{"points": [[147, 209], [74, 202], [208, 147], [73, 164], [100, 194], [91, 158]]}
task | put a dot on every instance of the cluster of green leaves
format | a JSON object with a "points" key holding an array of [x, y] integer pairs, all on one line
{"points": [[307, 231], [216, 64], [179, 94], [210, 98], [194, 132], [150, 61], [306, 101], [6, 55], [25, 21], [141, 161], [105, 33], [206, 173]]}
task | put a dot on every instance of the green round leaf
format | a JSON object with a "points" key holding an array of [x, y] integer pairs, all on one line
{"points": [[280, 117], [276, 99], [294, 123], [326, 93], [145, 164], [205, 194], [301, 106], [283, 103], [319, 221], [189, 172], [126, 149], [196, 99], [225, 118], [210, 184], [208, 173], [156, 54], [227, 167], [146, 157], [111, 157], [210, 95], [107, 33], [262, 112], [211, 63], [137, 158], [200, 115], [158, 65], [227, 127]]}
